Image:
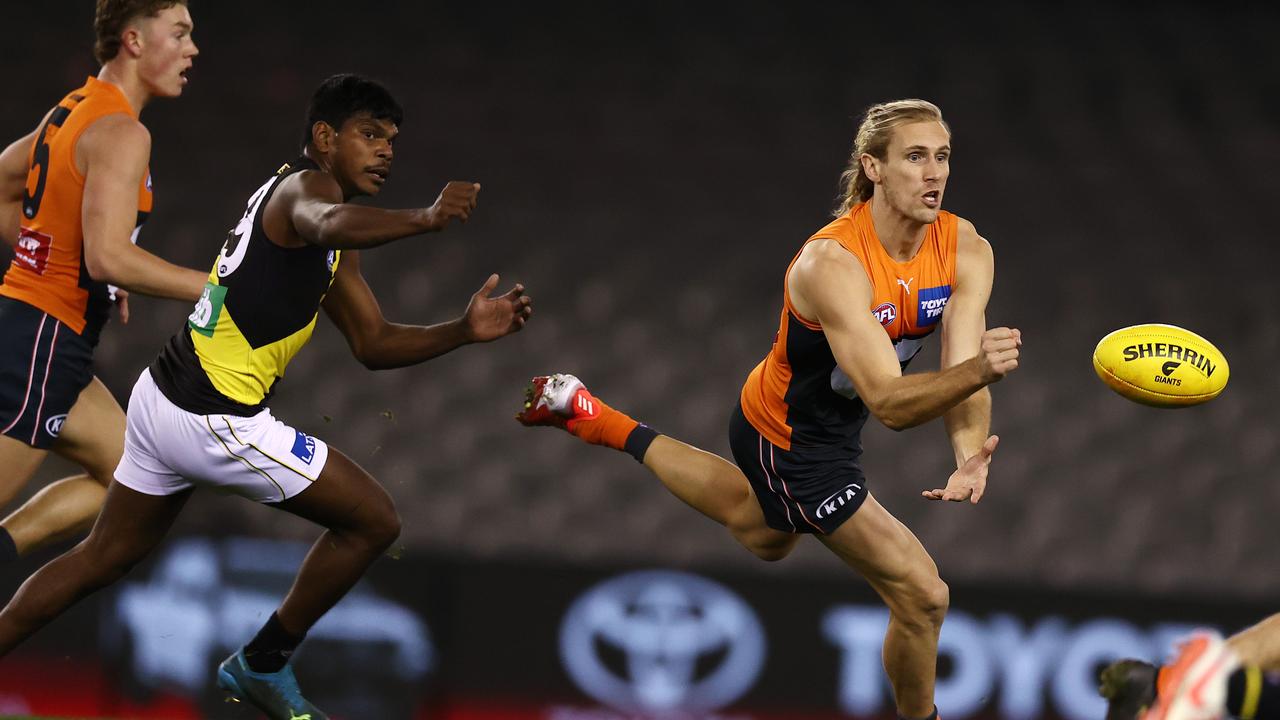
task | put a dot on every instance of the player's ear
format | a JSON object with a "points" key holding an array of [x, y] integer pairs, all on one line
{"points": [[323, 136], [870, 167], [131, 39]]}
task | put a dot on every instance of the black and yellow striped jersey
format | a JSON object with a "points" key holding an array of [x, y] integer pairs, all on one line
{"points": [[257, 311]]}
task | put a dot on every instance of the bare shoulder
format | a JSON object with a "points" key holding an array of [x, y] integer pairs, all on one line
{"points": [[297, 204], [824, 270], [310, 185], [119, 135], [825, 255], [969, 242], [975, 262], [118, 127]]}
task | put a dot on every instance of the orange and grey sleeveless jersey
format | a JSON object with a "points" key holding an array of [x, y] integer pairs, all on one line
{"points": [[257, 311], [48, 270], [798, 396]]}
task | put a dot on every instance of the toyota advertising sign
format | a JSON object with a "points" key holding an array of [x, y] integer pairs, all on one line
{"points": [[424, 637]]}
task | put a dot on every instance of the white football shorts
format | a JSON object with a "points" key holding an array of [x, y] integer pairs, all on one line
{"points": [[167, 450]]}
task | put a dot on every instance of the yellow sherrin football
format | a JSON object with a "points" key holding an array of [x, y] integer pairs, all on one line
{"points": [[1161, 365]]}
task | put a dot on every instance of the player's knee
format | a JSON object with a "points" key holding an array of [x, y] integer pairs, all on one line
{"points": [[768, 545], [390, 529], [383, 527], [918, 604], [771, 553], [929, 601], [937, 600]]}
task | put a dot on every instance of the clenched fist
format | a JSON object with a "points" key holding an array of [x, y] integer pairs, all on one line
{"points": [[457, 200], [999, 354]]}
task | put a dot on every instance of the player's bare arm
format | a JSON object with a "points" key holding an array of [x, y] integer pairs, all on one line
{"points": [[963, 324], [318, 214], [827, 284], [381, 345], [13, 184], [112, 155]]}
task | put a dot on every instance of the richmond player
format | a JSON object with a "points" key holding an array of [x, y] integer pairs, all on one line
{"points": [[198, 417]]}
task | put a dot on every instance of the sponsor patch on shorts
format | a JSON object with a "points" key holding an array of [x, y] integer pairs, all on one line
{"points": [[53, 425], [304, 447]]}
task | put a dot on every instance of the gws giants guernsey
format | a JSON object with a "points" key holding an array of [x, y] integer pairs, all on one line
{"points": [[257, 311], [48, 270], [797, 396]]}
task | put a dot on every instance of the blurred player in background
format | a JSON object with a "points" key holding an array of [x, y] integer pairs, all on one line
{"points": [[859, 300], [73, 195], [1207, 678], [198, 416]]}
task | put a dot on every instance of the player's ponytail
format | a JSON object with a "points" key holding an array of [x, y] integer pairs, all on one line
{"points": [[872, 139]]}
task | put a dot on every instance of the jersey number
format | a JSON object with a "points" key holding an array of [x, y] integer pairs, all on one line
{"points": [[237, 244], [40, 159]]}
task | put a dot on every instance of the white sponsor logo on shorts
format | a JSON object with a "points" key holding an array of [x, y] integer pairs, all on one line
{"points": [[828, 507], [53, 425]]}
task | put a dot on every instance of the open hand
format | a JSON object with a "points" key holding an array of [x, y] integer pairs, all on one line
{"points": [[457, 200], [489, 318], [970, 481]]}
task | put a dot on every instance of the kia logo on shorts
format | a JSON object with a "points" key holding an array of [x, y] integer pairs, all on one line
{"points": [[837, 500], [886, 313], [53, 425], [677, 642]]}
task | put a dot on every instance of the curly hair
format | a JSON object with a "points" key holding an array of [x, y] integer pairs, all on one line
{"points": [[340, 97], [112, 16]]}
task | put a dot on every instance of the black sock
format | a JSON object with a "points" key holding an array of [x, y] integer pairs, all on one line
{"points": [[1252, 695], [270, 649], [8, 550], [639, 440], [931, 716]]}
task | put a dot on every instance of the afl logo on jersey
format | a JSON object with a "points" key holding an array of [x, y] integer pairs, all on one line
{"points": [[886, 313]]}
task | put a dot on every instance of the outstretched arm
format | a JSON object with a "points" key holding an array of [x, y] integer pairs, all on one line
{"points": [[116, 150], [13, 184], [828, 282], [381, 345], [963, 323], [316, 210]]}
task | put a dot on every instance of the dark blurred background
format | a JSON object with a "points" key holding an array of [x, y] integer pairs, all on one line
{"points": [[649, 169]]}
